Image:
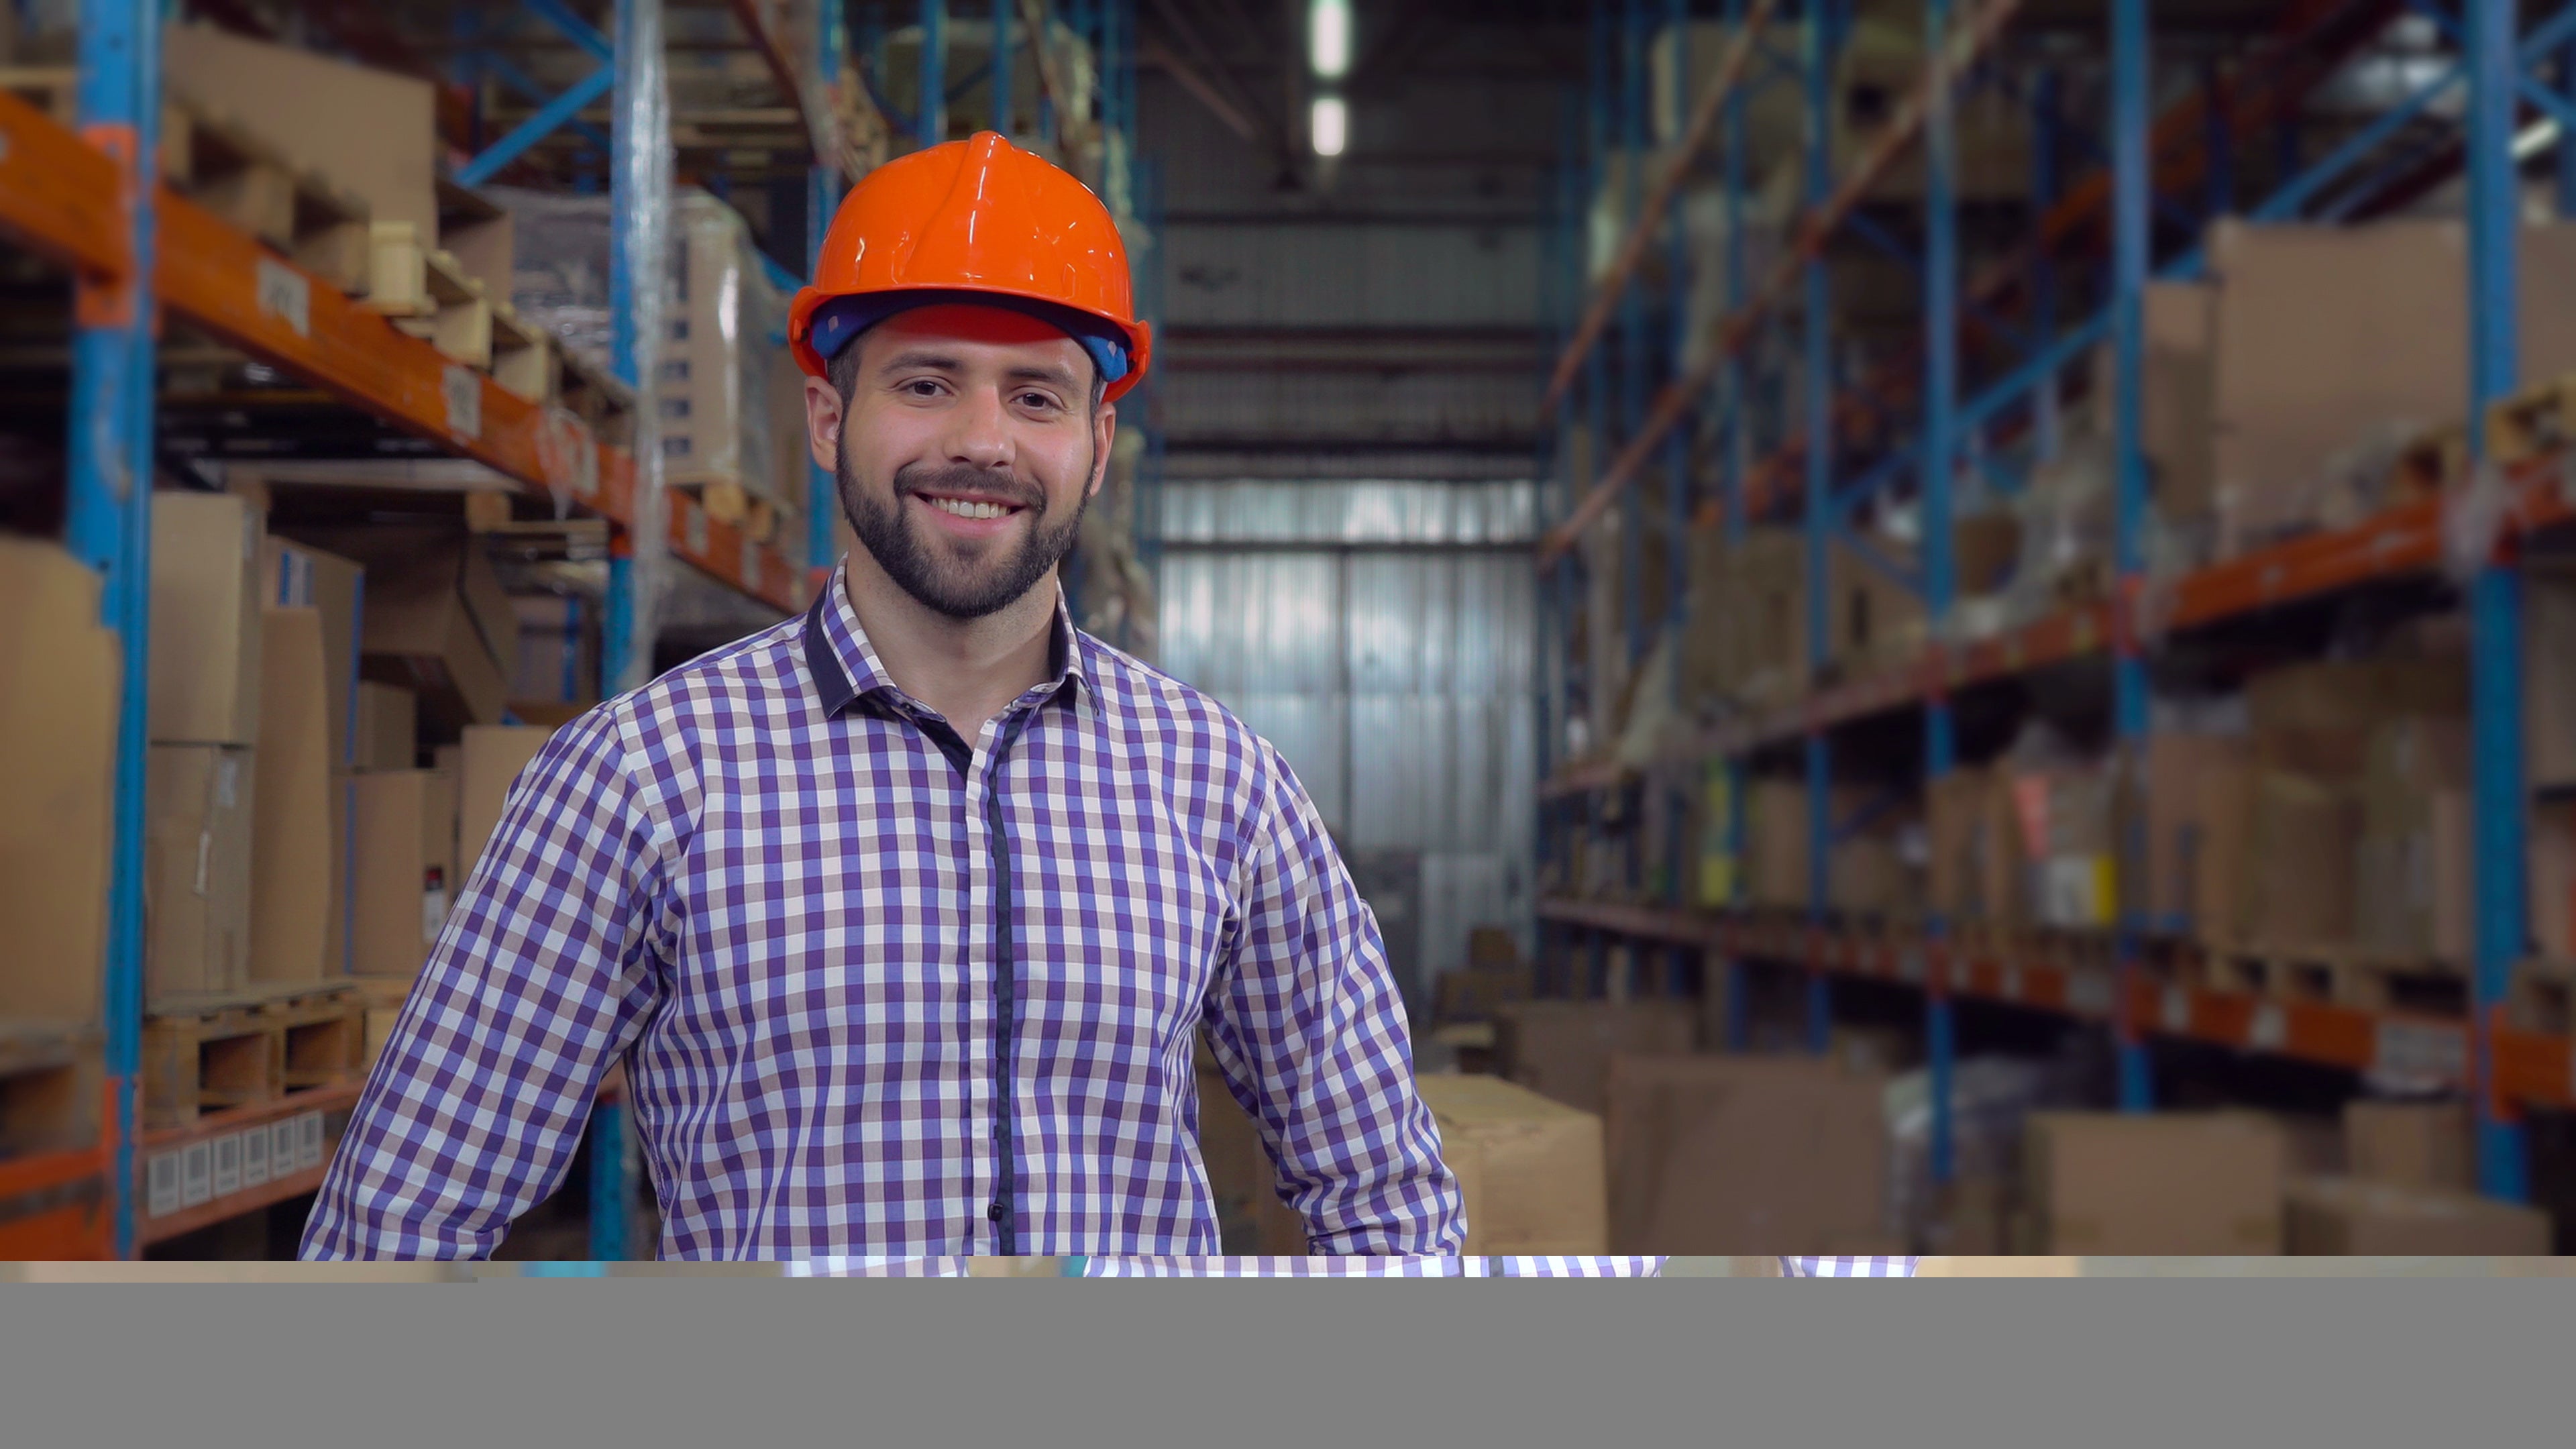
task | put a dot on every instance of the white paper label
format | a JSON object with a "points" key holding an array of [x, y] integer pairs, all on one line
{"points": [[254, 1157], [463, 387], [227, 783], [205, 850], [228, 1156], [433, 905], [196, 1173], [285, 295], [2089, 992], [2423, 1051], [2177, 1009], [2269, 1030], [161, 1184], [285, 1145], [308, 1130]]}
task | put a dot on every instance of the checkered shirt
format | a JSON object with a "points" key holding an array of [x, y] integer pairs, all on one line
{"points": [[1414, 1265], [885, 994]]}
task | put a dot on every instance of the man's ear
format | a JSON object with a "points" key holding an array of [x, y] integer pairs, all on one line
{"points": [[1104, 432], [823, 423]]}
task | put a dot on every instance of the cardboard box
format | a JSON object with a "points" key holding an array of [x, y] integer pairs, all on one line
{"points": [[2162, 1183], [2302, 861], [205, 619], [406, 868], [2549, 677], [2333, 1216], [369, 132], [59, 674], [1241, 1175], [2411, 1144], [291, 867], [2178, 823], [1955, 818], [437, 620], [2318, 718], [198, 802], [1739, 1154], [558, 652], [723, 383], [388, 727], [2222, 892], [296, 574], [1529, 1169], [492, 758], [1562, 1049], [2333, 337], [2412, 883]]}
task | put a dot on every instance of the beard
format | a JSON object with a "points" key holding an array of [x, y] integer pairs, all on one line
{"points": [[980, 583]]}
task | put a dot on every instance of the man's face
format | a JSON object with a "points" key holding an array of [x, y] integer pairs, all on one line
{"points": [[966, 452]]}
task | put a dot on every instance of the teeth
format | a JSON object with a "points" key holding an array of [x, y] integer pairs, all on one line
{"points": [[963, 508]]}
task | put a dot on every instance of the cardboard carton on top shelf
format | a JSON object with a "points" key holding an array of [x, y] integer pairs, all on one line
{"points": [[198, 804], [59, 675], [2098, 1182], [291, 835], [369, 132], [1529, 1169], [204, 685], [1741, 1154]]}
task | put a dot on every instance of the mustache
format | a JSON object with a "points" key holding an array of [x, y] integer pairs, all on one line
{"points": [[917, 478]]}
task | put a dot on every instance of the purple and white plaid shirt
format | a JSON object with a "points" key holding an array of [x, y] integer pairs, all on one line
{"points": [[1406, 1266], [883, 992]]}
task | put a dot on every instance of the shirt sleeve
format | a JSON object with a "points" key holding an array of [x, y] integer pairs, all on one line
{"points": [[1310, 1032], [539, 981], [1847, 1267]]}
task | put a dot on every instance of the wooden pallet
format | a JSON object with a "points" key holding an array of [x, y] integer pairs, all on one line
{"points": [[216, 162], [2335, 975], [523, 356], [427, 293], [225, 1049], [727, 501], [52, 1082]]}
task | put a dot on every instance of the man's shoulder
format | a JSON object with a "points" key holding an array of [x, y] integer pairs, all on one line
{"points": [[745, 674], [1131, 687]]}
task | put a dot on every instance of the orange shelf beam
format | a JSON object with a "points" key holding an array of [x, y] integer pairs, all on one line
{"points": [[2534, 1069], [58, 193]]}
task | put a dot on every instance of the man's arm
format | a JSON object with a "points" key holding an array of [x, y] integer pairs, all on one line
{"points": [[1310, 1032], [538, 982]]}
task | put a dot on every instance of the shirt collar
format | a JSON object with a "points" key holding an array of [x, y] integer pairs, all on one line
{"points": [[845, 665]]}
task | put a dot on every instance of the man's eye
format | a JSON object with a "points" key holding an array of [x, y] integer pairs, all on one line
{"points": [[1037, 400], [922, 387]]}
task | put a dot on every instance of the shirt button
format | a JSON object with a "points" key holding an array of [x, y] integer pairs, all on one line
{"points": [[994, 1213]]}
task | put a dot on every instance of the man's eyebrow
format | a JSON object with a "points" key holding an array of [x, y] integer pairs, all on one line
{"points": [[1060, 376], [934, 361]]}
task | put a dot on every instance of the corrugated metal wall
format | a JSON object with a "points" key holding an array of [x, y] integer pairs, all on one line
{"points": [[1381, 635]]}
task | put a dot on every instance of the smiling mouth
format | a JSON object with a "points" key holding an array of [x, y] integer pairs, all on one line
{"points": [[970, 507]]}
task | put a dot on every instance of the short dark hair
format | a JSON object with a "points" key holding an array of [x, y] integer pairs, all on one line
{"points": [[843, 373]]}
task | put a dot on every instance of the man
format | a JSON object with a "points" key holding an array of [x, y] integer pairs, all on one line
{"points": [[905, 914]]}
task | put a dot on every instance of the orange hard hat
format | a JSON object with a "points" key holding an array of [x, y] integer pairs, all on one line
{"points": [[979, 221]]}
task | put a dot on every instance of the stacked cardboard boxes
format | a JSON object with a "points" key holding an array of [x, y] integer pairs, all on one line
{"points": [[1529, 1169], [2161, 1183], [203, 720]]}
